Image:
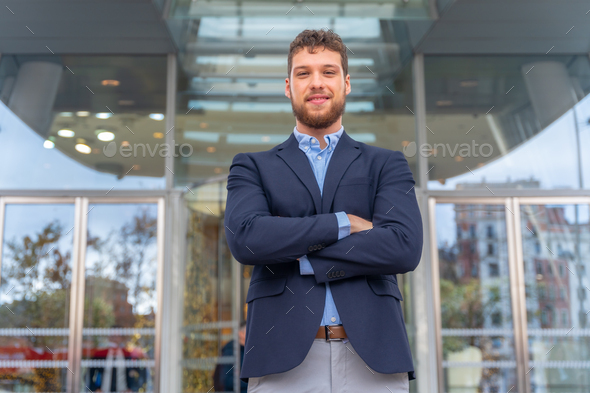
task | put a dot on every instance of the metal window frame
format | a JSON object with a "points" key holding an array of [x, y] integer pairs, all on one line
{"points": [[77, 285], [517, 203], [515, 266], [509, 221]]}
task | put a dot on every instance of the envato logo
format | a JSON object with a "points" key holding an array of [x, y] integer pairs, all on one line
{"points": [[463, 150], [145, 149]]}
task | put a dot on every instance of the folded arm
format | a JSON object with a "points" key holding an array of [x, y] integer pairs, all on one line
{"points": [[343, 231], [392, 246], [255, 236]]}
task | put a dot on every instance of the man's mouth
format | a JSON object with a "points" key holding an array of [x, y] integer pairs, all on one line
{"points": [[318, 100]]}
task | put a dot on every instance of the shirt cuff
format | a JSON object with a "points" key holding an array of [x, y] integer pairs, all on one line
{"points": [[343, 225], [304, 266]]}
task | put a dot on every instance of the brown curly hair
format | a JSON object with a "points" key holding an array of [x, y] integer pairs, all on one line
{"points": [[312, 38]]}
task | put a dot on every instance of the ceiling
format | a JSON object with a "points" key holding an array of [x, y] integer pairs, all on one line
{"points": [[509, 27], [83, 27]]}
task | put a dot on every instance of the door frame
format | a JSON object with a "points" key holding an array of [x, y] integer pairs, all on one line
{"points": [[515, 268], [77, 285]]}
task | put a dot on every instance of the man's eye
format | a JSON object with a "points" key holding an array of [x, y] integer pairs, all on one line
{"points": [[301, 73]]}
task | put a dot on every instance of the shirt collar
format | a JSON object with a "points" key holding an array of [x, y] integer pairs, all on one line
{"points": [[305, 140]]}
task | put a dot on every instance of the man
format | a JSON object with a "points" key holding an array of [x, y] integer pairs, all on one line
{"points": [[223, 376], [327, 222]]}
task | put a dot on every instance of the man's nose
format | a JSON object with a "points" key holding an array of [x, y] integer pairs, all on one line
{"points": [[317, 82]]}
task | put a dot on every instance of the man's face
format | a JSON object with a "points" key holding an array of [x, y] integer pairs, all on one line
{"points": [[317, 87]]}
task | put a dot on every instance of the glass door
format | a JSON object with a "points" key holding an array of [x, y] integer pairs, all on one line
{"points": [[80, 294], [471, 261], [36, 264], [120, 307], [212, 326], [554, 252]]}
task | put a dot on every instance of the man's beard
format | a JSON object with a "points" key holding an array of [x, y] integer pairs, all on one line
{"points": [[318, 120]]}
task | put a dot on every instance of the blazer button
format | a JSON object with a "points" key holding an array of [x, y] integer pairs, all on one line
{"points": [[341, 273], [323, 244], [310, 248]]}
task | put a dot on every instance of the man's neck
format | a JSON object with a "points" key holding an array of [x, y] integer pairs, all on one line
{"points": [[319, 133]]}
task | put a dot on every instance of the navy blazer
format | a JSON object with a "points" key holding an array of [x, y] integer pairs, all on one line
{"points": [[284, 307]]}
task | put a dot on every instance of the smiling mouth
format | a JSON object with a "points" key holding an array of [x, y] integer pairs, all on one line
{"points": [[318, 101]]}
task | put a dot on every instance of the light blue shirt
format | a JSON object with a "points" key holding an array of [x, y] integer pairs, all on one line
{"points": [[319, 160]]}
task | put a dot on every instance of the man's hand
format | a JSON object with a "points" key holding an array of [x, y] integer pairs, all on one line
{"points": [[358, 224]]}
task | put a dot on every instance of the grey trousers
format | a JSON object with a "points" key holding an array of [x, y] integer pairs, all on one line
{"points": [[330, 367]]}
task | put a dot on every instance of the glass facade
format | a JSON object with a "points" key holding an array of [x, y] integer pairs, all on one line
{"points": [[555, 256], [476, 313], [114, 267], [82, 122], [74, 316], [229, 102], [35, 296], [507, 122]]}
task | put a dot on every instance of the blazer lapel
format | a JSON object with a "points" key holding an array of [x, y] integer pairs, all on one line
{"points": [[297, 160], [347, 150]]}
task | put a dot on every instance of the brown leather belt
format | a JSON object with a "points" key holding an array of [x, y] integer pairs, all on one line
{"points": [[331, 332]]}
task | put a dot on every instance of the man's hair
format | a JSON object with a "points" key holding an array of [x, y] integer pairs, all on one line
{"points": [[312, 38]]}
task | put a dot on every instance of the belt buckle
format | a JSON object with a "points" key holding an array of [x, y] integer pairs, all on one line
{"points": [[327, 330]]}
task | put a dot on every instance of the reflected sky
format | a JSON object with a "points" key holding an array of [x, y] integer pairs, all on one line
{"points": [[549, 157], [26, 164]]}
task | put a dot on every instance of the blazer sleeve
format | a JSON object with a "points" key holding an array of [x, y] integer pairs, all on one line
{"points": [[254, 236], [393, 245]]}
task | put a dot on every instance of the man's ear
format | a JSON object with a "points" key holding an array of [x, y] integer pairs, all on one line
{"points": [[348, 85], [287, 92]]}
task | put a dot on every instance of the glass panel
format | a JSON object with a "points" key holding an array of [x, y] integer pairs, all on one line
{"points": [[36, 270], [507, 122], [395, 9], [84, 122], [476, 312], [555, 241], [230, 103], [120, 298], [209, 330]]}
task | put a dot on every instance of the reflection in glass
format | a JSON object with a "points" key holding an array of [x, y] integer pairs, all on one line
{"points": [[208, 327], [231, 102], [120, 298], [82, 122], [35, 297], [476, 313], [555, 241], [394, 9], [507, 121]]}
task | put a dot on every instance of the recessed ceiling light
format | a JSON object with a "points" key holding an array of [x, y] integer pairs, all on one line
{"points": [[84, 149], [66, 133], [66, 114], [103, 115], [156, 116], [48, 145], [158, 135], [82, 113], [106, 136], [110, 82], [468, 83]]}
